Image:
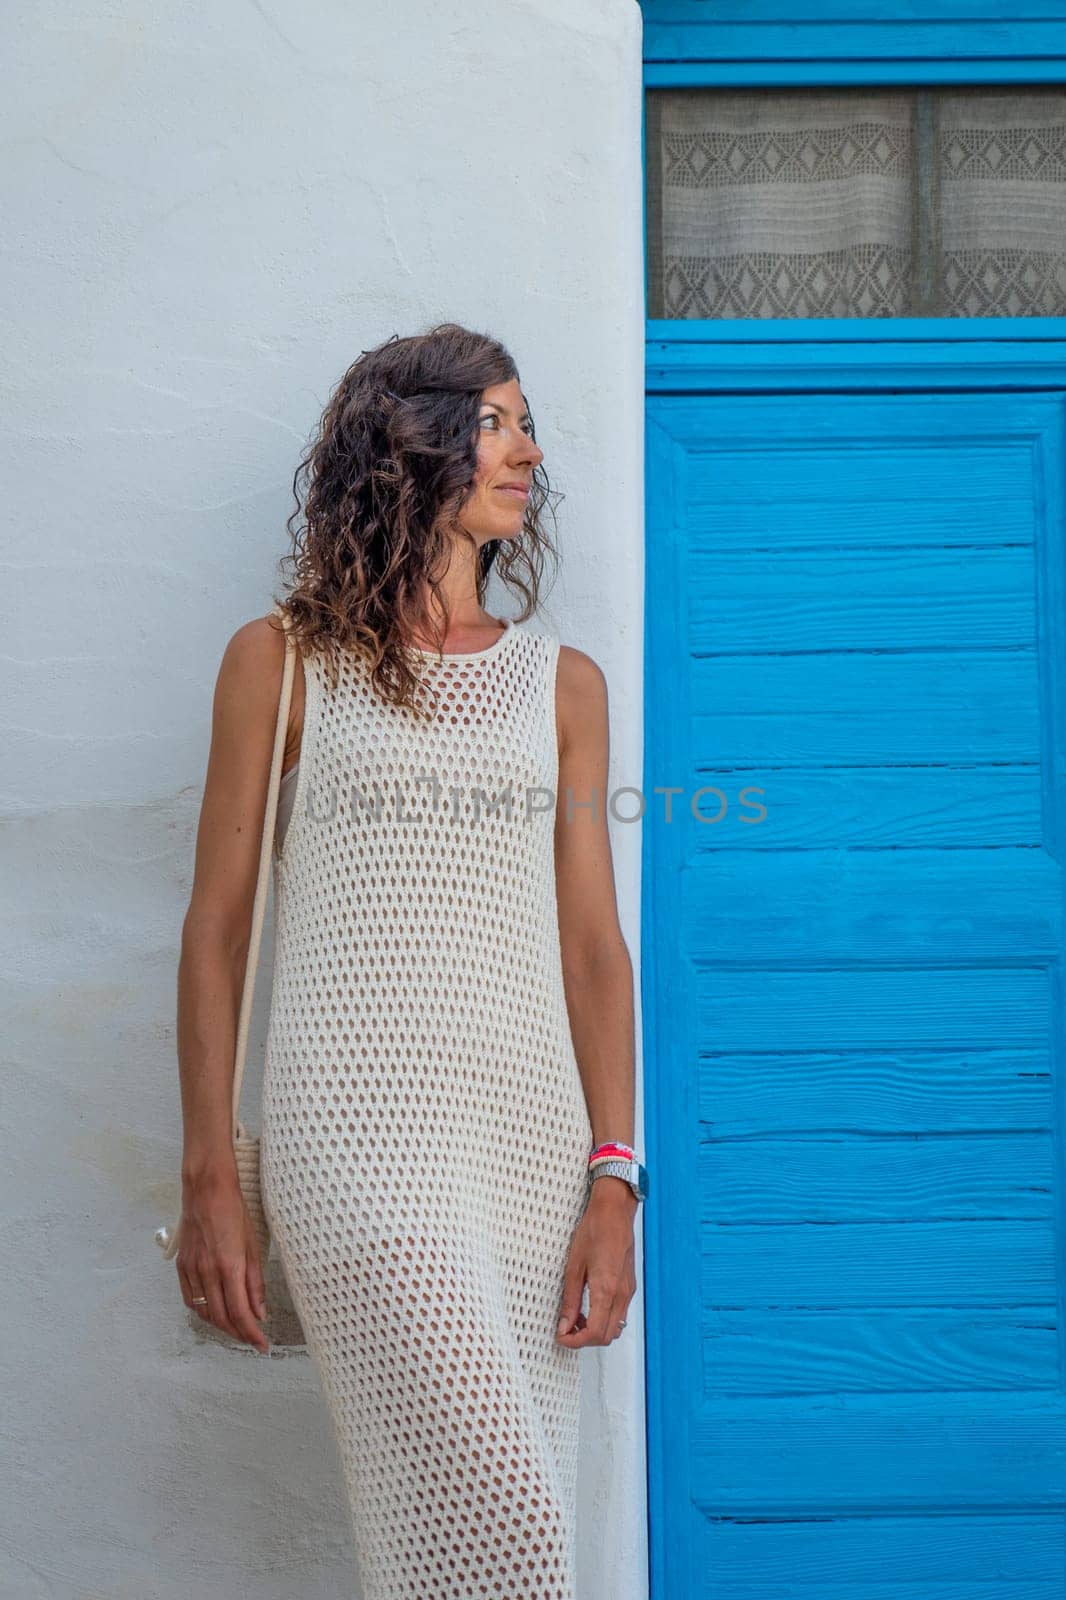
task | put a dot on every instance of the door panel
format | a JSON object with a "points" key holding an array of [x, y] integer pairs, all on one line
{"points": [[854, 1000]]}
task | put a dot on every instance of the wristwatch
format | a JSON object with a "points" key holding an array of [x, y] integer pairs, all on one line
{"points": [[632, 1172]]}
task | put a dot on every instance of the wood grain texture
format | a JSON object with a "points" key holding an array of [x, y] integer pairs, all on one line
{"points": [[855, 1005]]}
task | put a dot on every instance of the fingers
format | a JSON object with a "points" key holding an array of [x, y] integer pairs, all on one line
{"points": [[224, 1287], [202, 1291], [570, 1304], [598, 1329], [216, 1303], [609, 1300], [191, 1292], [617, 1317], [234, 1284], [625, 1289], [256, 1287]]}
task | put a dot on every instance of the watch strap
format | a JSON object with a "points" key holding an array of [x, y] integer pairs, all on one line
{"points": [[631, 1172]]}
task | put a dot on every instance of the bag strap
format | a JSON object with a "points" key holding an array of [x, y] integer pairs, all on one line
{"points": [[265, 851]]}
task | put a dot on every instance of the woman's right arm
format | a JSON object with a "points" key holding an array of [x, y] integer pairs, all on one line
{"points": [[218, 1256]]}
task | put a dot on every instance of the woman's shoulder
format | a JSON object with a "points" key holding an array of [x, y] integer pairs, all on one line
{"points": [[250, 676], [253, 654], [260, 636], [580, 674], [580, 697]]}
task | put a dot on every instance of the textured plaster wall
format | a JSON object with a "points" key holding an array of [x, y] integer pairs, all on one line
{"points": [[210, 210]]}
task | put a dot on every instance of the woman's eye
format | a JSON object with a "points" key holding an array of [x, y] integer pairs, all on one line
{"points": [[490, 416]]}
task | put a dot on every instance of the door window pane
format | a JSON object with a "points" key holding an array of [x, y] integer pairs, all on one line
{"points": [[1001, 167], [856, 202]]}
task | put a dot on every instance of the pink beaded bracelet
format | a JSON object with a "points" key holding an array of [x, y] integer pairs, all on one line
{"points": [[612, 1151]]}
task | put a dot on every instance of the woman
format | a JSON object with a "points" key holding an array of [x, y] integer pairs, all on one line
{"points": [[451, 1025]]}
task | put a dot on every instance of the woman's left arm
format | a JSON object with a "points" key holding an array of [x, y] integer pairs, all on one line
{"points": [[598, 979]]}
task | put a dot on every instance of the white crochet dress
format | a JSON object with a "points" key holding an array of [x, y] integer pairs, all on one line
{"points": [[424, 1129]]}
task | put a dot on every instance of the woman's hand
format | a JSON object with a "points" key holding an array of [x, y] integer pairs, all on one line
{"points": [[601, 1252], [219, 1257]]}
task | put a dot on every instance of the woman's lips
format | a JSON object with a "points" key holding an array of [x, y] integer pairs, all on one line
{"points": [[519, 494]]}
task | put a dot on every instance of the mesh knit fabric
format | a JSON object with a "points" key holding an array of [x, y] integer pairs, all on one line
{"points": [[424, 1128]]}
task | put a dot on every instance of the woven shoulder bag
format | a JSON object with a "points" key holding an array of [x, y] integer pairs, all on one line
{"points": [[246, 1147]]}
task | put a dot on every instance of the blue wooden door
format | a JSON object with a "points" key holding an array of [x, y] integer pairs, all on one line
{"points": [[856, 1267]]}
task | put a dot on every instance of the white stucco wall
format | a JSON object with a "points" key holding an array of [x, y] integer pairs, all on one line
{"points": [[209, 211]]}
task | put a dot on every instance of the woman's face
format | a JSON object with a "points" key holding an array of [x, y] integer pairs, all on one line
{"points": [[506, 457]]}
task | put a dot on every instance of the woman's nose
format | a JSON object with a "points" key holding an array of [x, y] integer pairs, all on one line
{"points": [[530, 451]]}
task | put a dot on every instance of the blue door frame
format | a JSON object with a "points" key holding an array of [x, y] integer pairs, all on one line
{"points": [[688, 362]]}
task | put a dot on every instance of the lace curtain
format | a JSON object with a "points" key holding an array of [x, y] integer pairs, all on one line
{"points": [[856, 202]]}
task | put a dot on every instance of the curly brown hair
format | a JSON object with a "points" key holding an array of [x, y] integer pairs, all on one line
{"points": [[386, 475]]}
